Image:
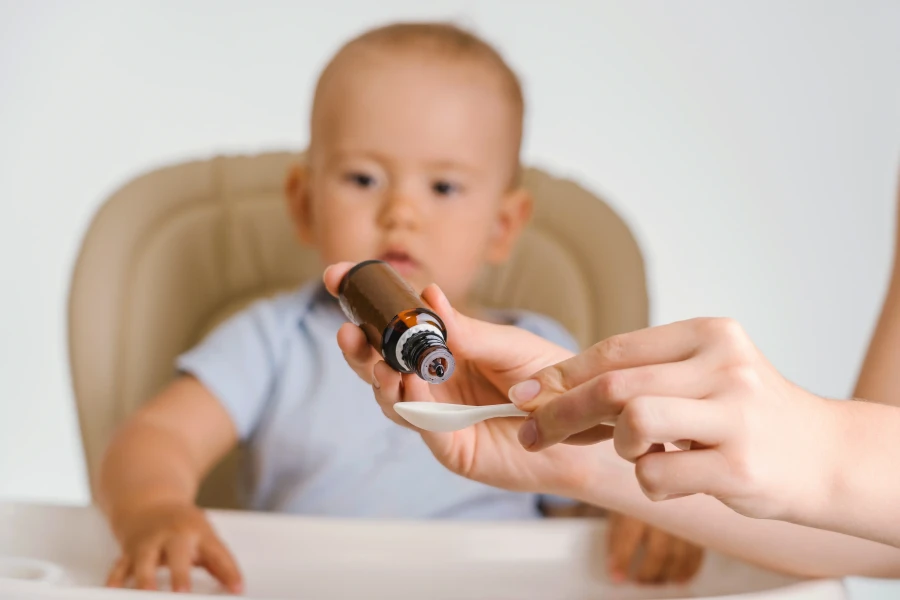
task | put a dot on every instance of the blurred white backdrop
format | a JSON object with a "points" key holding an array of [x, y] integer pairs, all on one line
{"points": [[753, 147]]}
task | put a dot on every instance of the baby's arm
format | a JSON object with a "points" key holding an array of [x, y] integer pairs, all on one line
{"points": [[148, 480]]}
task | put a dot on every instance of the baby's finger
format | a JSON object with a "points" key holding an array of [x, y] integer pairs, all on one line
{"points": [[180, 553], [119, 573], [623, 541], [657, 553], [145, 565], [684, 562], [219, 562], [357, 352], [690, 564]]}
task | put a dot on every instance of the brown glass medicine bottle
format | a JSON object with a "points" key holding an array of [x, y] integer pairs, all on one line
{"points": [[398, 324]]}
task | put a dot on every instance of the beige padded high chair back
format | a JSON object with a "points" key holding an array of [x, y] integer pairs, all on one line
{"points": [[177, 250]]}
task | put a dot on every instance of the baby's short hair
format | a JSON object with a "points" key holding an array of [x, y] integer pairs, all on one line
{"points": [[441, 39]]}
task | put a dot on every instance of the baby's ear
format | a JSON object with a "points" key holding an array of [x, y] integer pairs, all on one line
{"points": [[514, 214], [296, 193]]}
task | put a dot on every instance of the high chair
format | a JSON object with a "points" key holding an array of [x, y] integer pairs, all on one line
{"points": [[179, 249]]}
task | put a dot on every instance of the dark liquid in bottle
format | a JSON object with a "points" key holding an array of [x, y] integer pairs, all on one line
{"points": [[397, 323]]}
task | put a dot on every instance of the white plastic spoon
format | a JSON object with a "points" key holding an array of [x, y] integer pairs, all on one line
{"points": [[444, 417]]}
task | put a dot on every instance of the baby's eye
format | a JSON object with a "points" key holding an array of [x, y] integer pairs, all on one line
{"points": [[444, 188], [361, 180]]}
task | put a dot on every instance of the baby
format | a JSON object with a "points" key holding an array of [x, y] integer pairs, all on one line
{"points": [[414, 160]]}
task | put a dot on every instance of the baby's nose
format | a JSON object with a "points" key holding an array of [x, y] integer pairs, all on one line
{"points": [[401, 210]]}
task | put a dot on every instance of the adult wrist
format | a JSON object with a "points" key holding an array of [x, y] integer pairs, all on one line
{"points": [[608, 480], [828, 472]]}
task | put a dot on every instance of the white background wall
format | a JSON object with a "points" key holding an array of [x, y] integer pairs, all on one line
{"points": [[753, 146]]}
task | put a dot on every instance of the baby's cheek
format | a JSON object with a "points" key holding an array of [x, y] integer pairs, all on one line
{"points": [[347, 239], [459, 269]]}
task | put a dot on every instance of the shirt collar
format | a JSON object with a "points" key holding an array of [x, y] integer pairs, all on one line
{"points": [[309, 296]]}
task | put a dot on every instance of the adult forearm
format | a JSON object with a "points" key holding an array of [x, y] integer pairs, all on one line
{"points": [[866, 484], [781, 546]]}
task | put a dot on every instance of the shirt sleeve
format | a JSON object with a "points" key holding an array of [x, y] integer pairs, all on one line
{"points": [[236, 363], [547, 328]]}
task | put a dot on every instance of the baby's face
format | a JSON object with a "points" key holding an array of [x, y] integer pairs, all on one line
{"points": [[411, 163]]}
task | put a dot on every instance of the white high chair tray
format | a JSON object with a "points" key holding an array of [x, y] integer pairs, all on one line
{"points": [[293, 557]]}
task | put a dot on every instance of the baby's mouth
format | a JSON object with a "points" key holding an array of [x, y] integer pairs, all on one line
{"points": [[402, 262]]}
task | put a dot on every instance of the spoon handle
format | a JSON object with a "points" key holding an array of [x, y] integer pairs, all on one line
{"points": [[501, 410], [510, 410]]}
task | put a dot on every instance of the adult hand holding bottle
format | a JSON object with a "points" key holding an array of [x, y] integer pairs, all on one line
{"points": [[489, 359]]}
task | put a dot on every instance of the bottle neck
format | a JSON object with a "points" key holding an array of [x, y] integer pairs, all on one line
{"points": [[426, 354]]}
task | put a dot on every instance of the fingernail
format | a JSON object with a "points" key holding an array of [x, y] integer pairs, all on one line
{"points": [[528, 434], [524, 392], [616, 575], [375, 383]]}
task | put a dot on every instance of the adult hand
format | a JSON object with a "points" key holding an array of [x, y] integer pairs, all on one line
{"points": [[756, 442], [489, 359]]}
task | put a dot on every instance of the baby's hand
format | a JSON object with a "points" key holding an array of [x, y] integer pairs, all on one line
{"points": [[175, 535], [645, 554]]}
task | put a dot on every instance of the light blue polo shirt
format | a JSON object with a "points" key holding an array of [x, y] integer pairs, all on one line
{"points": [[317, 441]]}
